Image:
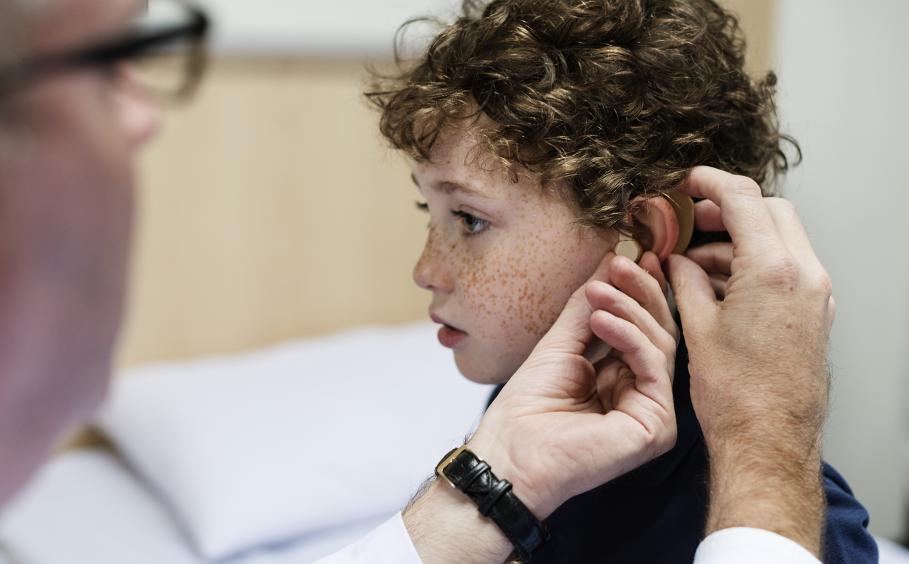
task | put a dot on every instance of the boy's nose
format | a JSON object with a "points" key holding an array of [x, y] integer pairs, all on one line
{"points": [[432, 272]]}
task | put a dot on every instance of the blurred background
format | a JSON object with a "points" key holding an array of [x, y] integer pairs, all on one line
{"points": [[271, 208]]}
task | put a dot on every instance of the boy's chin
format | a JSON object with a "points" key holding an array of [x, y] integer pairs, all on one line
{"points": [[485, 371]]}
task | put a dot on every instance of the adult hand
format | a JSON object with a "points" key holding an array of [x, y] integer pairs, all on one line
{"points": [[562, 425], [756, 315]]}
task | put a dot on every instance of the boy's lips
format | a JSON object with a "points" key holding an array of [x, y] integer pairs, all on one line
{"points": [[437, 319], [449, 336]]}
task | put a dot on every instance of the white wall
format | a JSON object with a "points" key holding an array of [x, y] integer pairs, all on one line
{"points": [[844, 95], [316, 27]]}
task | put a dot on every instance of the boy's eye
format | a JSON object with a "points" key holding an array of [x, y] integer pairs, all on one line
{"points": [[472, 223]]}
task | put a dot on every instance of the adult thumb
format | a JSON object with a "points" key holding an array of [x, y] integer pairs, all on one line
{"points": [[692, 290]]}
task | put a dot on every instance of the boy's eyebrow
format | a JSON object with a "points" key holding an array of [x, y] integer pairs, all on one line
{"points": [[449, 187]]}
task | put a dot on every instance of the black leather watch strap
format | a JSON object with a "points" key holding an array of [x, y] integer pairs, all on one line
{"points": [[467, 472]]}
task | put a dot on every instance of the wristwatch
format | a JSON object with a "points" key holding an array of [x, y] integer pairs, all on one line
{"points": [[467, 472]]}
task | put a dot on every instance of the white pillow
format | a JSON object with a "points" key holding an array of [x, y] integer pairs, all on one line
{"points": [[85, 507], [264, 447]]}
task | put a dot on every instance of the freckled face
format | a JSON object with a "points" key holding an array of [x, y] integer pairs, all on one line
{"points": [[501, 257]]}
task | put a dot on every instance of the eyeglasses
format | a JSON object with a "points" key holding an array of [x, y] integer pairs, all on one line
{"points": [[164, 47]]}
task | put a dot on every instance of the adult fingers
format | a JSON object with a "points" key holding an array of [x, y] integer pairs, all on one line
{"points": [[812, 274], [650, 262], [708, 216], [612, 374], [719, 282], [648, 363], [610, 299], [741, 204], [831, 313], [637, 283], [693, 292], [792, 231], [714, 258], [642, 367]]}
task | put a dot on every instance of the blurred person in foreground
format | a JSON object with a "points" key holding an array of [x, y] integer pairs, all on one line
{"points": [[73, 115]]}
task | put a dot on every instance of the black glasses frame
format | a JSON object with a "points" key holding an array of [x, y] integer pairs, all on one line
{"points": [[131, 45]]}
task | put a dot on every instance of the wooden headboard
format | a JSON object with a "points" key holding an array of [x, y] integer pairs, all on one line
{"points": [[270, 208]]}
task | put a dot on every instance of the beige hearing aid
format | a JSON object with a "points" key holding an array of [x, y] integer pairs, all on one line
{"points": [[627, 246], [684, 210]]}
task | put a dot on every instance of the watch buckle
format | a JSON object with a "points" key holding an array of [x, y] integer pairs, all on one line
{"points": [[446, 462]]}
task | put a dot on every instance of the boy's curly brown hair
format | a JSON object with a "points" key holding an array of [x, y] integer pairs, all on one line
{"points": [[617, 98]]}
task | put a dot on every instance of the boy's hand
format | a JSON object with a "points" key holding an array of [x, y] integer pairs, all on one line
{"points": [[562, 426]]}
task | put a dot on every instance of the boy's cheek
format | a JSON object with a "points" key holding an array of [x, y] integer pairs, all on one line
{"points": [[497, 348]]}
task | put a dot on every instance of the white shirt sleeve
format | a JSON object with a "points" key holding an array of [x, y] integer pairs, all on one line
{"points": [[744, 545], [388, 543]]}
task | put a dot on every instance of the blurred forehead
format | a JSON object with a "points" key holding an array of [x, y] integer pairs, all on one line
{"points": [[61, 24]]}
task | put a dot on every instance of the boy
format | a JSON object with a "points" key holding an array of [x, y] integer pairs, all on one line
{"points": [[540, 131]]}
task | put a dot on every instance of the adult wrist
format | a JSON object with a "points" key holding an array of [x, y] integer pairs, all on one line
{"points": [[778, 491], [445, 527], [758, 455], [541, 497], [756, 448], [495, 499]]}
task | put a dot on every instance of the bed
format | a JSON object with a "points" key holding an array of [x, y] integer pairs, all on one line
{"points": [[254, 458]]}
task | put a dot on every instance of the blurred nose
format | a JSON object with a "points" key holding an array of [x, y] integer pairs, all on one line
{"points": [[432, 272], [138, 113]]}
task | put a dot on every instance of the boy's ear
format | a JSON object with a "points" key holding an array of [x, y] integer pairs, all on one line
{"points": [[658, 221]]}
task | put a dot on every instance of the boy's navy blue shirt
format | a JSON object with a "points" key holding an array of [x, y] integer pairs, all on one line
{"points": [[656, 514]]}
